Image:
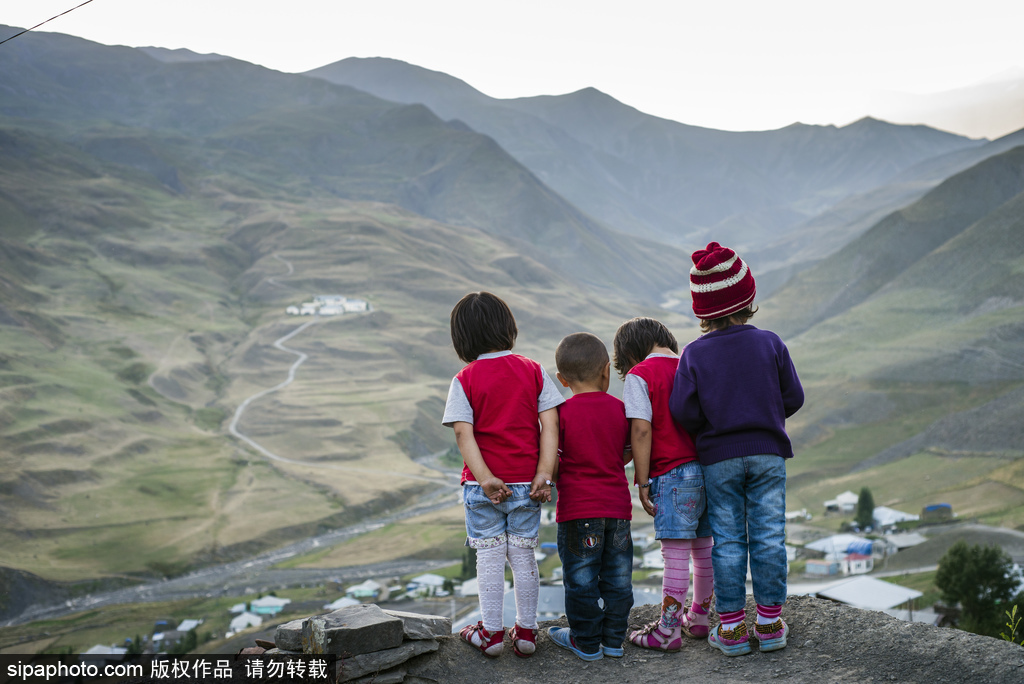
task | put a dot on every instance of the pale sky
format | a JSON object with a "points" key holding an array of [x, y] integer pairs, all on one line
{"points": [[729, 64]]}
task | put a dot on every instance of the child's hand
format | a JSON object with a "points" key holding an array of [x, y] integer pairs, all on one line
{"points": [[645, 500], [540, 488], [496, 490]]}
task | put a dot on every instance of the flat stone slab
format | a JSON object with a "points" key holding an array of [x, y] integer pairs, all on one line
{"points": [[419, 626], [288, 636], [381, 661], [352, 631]]}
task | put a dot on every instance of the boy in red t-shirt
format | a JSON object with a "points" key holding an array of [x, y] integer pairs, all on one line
{"points": [[594, 505]]}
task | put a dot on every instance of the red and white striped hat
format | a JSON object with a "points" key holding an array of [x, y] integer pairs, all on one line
{"points": [[720, 282]]}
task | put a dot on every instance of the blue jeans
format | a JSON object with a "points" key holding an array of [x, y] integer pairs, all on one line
{"points": [[679, 499], [515, 521], [747, 508], [597, 563]]}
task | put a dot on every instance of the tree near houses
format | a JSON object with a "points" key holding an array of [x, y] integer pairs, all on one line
{"points": [[981, 579], [865, 509]]}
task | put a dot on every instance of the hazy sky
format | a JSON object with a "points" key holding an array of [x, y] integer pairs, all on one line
{"points": [[740, 65]]}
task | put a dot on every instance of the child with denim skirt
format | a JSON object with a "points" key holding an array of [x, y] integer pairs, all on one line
{"points": [[734, 389], [502, 407], [670, 481], [594, 505]]}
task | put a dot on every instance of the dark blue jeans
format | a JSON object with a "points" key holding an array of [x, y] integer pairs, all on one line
{"points": [[597, 563]]}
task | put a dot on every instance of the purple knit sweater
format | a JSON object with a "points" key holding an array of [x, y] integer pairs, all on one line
{"points": [[733, 391]]}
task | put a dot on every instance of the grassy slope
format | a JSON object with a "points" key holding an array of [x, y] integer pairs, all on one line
{"points": [[134, 287], [939, 337]]}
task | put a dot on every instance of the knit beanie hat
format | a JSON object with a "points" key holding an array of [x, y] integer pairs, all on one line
{"points": [[720, 283]]}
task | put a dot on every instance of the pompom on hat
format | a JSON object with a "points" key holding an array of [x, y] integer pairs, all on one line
{"points": [[720, 282]]}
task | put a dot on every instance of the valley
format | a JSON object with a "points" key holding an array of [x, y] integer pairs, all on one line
{"points": [[161, 416]]}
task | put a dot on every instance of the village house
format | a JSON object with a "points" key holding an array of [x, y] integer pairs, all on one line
{"points": [[268, 605], [342, 602], [329, 305], [243, 621], [940, 512], [428, 584], [798, 516], [884, 517], [845, 553], [844, 504], [365, 591], [868, 593]]}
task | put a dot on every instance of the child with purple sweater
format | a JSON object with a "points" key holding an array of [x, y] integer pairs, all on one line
{"points": [[733, 390]]}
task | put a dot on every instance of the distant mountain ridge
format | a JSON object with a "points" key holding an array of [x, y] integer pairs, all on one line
{"points": [[659, 178], [341, 139]]}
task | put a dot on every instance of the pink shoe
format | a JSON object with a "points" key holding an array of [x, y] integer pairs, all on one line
{"points": [[491, 644], [658, 637], [692, 630]]}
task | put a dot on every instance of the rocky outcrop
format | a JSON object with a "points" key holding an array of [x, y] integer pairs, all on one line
{"points": [[372, 645], [828, 642]]}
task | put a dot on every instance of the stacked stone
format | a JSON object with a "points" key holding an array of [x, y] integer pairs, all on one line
{"points": [[372, 645]]}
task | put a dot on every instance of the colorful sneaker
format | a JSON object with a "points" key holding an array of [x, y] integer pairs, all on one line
{"points": [[658, 637], [772, 636], [694, 631], [733, 642], [491, 644], [561, 637], [524, 641], [612, 651]]}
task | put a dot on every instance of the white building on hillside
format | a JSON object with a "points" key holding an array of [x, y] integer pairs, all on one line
{"points": [[329, 305], [883, 517], [243, 621], [844, 503]]}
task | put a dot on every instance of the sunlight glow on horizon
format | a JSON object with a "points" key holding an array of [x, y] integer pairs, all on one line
{"points": [[734, 65]]}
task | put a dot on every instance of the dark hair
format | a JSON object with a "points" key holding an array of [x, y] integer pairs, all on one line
{"points": [[481, 323], [738, 318], [635, 339], [581, 357]]}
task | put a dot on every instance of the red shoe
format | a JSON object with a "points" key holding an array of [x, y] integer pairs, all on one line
{"points": [[524, 641], [491, 644]]}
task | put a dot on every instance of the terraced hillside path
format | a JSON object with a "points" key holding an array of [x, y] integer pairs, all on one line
{"points": [[302, 356]]}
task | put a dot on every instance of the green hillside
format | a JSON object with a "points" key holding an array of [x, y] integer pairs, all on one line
{"points": [[148, 251], [882, 254], [911, 353], [158, 212]]}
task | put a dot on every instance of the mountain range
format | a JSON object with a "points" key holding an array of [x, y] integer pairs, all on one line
{"points": [[159, 210], [658, 178]]}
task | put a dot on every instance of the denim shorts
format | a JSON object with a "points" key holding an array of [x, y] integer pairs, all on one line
{"points": [[680, 504], [515, 520]]}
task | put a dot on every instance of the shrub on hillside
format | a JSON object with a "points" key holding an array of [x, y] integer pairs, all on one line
{"points": [[982, 580]]}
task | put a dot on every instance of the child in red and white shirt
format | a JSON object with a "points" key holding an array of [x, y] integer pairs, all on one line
{"points": [[502, 407], [670, 480]]}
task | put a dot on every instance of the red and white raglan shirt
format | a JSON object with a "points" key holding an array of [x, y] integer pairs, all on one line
{"points": [[646, 392], [593, 433], [501, 394]]}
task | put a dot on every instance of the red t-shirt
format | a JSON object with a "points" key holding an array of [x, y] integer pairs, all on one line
{"points": [[671, 445], [503, 392], [592, 434]]}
